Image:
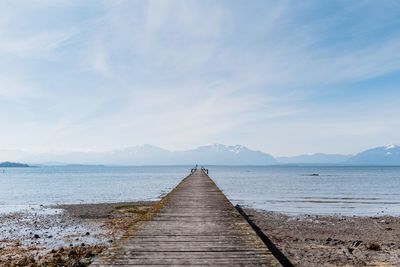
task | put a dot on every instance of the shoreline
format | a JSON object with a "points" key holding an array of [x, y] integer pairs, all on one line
{"points": [[332, 240], [74, 236], [82, 231]]}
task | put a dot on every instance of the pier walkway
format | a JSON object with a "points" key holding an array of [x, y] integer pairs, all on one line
{"points": [[197, 226]]}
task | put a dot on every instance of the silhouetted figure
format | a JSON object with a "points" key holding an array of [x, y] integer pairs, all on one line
{"points": [[204, 169]]}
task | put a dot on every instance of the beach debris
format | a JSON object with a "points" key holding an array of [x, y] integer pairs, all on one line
{"points": [[374, 246], [350, 250], [72, 253], [356, 243]]}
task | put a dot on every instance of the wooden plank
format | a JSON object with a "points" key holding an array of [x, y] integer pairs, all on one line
{"points": [[197, 226]]}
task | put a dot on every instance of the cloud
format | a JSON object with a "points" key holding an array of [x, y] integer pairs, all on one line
{"points": [[35, 46], [183, 73]]}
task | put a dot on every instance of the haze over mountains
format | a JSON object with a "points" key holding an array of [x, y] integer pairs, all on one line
{"points": [[318, 158], [216, 154], [151, 155]]}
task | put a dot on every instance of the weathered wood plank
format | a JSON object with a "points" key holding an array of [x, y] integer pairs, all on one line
{"points": [[197, 226]]}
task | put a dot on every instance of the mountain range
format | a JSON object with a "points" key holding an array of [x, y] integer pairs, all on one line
{"points": [[216, 154], [386, 155]]}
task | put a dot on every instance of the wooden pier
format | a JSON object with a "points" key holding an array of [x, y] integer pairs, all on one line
{"points": [[197, 226]]}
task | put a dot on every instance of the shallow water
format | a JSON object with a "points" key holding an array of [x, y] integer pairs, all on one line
{"points": [[287, 189], [21, 188], [46, 229]]}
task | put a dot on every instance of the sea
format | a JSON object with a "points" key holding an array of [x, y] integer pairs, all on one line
{"points": [[294, 190]]}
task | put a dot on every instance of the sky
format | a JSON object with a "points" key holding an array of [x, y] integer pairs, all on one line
{"points": [[284, 77]]}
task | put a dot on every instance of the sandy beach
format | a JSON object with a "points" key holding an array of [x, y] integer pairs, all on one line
{"points": [[333, 240]]}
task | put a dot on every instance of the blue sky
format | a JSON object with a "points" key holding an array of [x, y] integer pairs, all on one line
{"points": [[285, 77]]}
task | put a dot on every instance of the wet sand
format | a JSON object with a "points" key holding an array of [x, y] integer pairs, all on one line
{"points": [[65, 235], [333, 240]]}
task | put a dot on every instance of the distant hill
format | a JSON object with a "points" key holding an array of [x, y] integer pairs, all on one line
{"points": [[13, 165], [216, 154], [384, 155], [318, 158]]}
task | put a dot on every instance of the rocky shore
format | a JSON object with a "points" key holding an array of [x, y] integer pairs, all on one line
{"points": [[72, 235], [333, 240], [64, 235]]}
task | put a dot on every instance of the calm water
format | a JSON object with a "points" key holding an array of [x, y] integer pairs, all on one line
{"points": [[20, 187], [337, 190]]}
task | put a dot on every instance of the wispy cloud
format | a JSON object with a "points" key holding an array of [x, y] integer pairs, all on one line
{"points": [[34, 46], [104, 74]]}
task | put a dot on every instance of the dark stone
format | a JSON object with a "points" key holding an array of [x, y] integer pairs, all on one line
{"points": [[89, 254], [72, 253], [374, 246]]}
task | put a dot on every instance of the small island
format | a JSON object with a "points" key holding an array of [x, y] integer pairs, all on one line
{"points": [[13, 165]]}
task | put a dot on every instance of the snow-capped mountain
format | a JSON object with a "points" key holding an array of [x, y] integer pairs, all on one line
{"points": [[216, 154], [384, 155]]}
